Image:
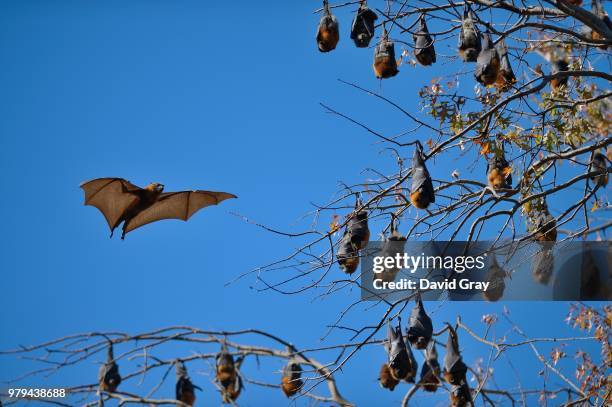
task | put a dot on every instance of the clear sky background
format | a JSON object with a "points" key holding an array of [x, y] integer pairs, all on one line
{"points": [[192, 94]]}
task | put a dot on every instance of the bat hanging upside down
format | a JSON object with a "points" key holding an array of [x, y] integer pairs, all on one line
{"points": [[328, 33], [185, 389], [421, 190], [120, 201], [291, 381], [108, 376]]}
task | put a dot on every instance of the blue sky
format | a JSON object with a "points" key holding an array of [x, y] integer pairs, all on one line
{"points": [[220, 96]]}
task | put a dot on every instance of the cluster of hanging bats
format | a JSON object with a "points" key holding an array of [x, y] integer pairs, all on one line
{"points": [[227, 376], [492, 62], [401, 364]]}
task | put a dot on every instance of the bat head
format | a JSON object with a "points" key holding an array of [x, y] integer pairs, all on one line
{"points": [[155, 187]]}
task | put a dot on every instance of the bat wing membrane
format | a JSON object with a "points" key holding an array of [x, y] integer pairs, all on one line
{"points": [[177, 205], [112, 196]]}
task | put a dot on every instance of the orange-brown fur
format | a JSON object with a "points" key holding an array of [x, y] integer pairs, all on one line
{"points": [[386, 379], [504, 80], [290, 387], [107, 387], [417, 201], [497, 178], [385, 67], [430, 383], [490, 79], [350, 264], [226, 375], [327, 39]]}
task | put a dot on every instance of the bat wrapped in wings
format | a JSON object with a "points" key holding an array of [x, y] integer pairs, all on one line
{"points": [[362, 29], [121, 201], [421, 190], [328, 33], [108, 376], [185, 389], [499, 172], [469, 36], [424, 50], [420, 328], [385, 64], [599, 163], [392, 246], [402, 364], [487, 63], [430, 372], [454, 368], [496, 278], [505, 77], [291, 382], [228, 376]]}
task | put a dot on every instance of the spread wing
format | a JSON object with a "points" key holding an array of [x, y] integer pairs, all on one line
{"points": [[177, 205], [112, 196]]}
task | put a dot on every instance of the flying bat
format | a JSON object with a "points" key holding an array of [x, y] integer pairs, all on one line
{"points": [[386, 379], [402, 364], [421, 190], [328, 33], [430, 372], [505, 77], [108, 375], [385, 65], [362, 29], [185, 389], [424, 50], [499, 172], [420, 328], [291, 381], [487, 63], [469, 36], [599, 163], [121, 201], [454, 368]]}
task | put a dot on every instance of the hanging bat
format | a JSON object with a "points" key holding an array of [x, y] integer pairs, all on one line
{"points": [[121, 201], [347, 254], [291, 382], [108, 375], [598, 9], [185, 389], [487, 63], [505, 77], [543, 265], [386, 379], [357, 227], [392, 246], [420, 327], [385, 65], [558, 65], [421, 190], [599, 163], [454, 368], [496, 278], [424, 50], [402, 364], [546, 227], [460, 395], [430, 372], [362, 29], [226, 369], [469, 36], [328, 32], [499, 172]]}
